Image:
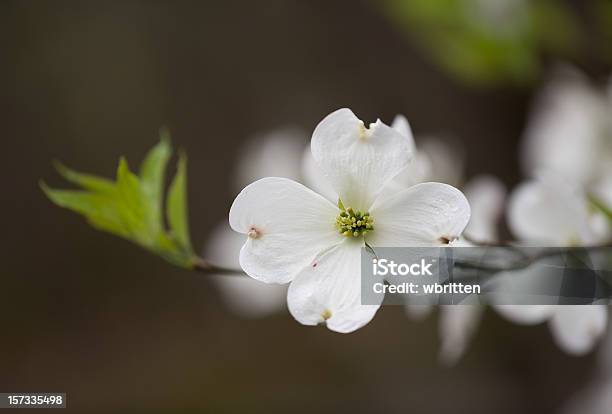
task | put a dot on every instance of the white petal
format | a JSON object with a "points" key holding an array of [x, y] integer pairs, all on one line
{"points": [[314, 178], [289, 225], [486, 195], [549, 213], [577, 329], [417, 171], [329, 290], [427, 214], [275, 154], [402, 126], [458, 323], [358, 161], [246, 297]]}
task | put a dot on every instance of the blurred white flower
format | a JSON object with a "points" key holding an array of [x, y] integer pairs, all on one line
{"points": [[296, 235], [548, 212], [487, 195], [569, 133], [447, 160], [545, 212], [434, 160], [456, 327], [568, 146], [274, 154], [420, 168], [576, 329], [458, 323]]}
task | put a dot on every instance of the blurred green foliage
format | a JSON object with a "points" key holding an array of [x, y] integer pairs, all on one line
{"points": [[132, 206], [488, 41], [602, 207], [602, 13]]}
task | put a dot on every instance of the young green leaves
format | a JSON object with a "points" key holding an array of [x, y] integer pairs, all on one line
{"points": [[132, 206], [488, 42]]}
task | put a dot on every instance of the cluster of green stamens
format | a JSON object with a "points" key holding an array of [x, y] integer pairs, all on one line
{"points": [[353, 223]]}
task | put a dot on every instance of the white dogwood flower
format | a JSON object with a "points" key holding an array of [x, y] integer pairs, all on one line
{"points": [[549, 213], [294, 235]]}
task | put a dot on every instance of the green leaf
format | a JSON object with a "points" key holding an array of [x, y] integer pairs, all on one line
{"points": [[601, 206], [135, 213], [176, 209], [99, 209], [472, 44], [87, 181], [154, 164], [152, 171], [132, 206], [602, 13]]}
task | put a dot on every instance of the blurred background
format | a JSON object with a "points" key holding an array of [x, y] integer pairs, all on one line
{"points": [[120, 330]]}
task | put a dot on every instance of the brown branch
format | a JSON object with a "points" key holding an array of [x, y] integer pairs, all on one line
{"points": [[204, 266], [529, 260]]}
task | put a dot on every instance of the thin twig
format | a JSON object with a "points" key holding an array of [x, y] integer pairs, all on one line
{"points": [[513, 245], [204, 266], [529, 260]]}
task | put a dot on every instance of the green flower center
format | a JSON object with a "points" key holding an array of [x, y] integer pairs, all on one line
{"points": [[353, 223]]}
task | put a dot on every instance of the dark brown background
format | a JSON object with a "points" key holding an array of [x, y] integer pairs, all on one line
{"points": [[121, 331]]}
